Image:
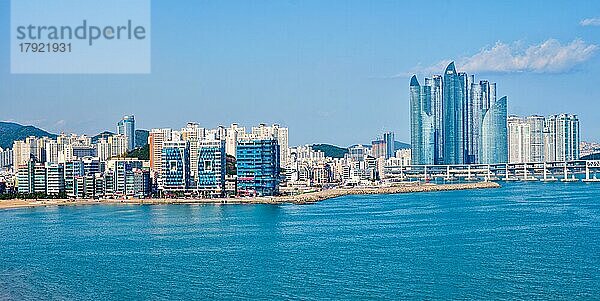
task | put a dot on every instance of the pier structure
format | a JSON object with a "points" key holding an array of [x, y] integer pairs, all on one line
{"points": [[565, 171]]}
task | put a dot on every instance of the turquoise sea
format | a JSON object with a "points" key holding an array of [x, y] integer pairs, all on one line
{"points": [[529, 241]]}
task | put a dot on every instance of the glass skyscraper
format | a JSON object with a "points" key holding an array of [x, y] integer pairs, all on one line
{"points": [[453, 104], [436, 105], [494, 134], [389, 139], [422, 124], [127, 127], [455, 120]]}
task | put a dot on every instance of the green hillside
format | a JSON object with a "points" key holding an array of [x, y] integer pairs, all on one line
{"points": [[10, 132], [330, 150]]}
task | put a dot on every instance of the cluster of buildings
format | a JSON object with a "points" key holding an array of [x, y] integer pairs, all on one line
{"points": [[588, 148], [190, 161], [77, 166], [194, 159], [543, 139], [456, 120], [361, 165]]}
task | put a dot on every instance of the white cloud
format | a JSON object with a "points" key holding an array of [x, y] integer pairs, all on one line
{"points": [[549, 56], [590, 22]]}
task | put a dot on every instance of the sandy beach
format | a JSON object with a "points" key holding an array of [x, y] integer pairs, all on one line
{"points": [[306, 198]]}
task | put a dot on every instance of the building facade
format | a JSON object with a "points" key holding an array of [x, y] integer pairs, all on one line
{"points": [[543, 139], [126, 127], [258, 167], [175, 171], [211, 168]]}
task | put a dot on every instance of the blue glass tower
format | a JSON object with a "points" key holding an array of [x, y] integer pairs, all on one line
{"points": [[494, 142], [421, 124], [257, 167], [211, 168], [175, 171], [453, 118], [127, 127]]}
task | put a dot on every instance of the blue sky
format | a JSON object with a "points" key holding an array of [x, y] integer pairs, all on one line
{"points": [[332, 71]]}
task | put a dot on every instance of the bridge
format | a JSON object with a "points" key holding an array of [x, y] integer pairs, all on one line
{"points": [[565, 171]]}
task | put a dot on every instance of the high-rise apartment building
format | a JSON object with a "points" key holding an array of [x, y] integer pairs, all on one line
{"points": [[258, 167], [453, 105], [156, 140], [494, 137], [538, 139], [6, 157], [194, 134], [55, 181], [378, 148], [126, 126], [435, 84], [175, 171], [563, 137], [212, 168], [422, 126], [264, 132]]}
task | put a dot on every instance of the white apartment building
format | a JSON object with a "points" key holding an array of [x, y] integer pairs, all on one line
{"points": [[540, 139]]}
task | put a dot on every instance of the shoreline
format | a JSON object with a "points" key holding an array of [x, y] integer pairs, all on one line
{"points": [[300, 199]]}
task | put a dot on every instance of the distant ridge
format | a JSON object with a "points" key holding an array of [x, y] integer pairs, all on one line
{"points": [[11, 132], [331, 151], [401, 145], [334, 151]]}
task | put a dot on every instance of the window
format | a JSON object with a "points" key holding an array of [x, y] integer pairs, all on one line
{"points": [[207, 165]]}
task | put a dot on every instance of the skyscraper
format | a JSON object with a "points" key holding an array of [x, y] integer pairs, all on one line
{"points": [[389, 139], [436, 109], [536, 138], [453, 119], [481, 97], [563, 139], [421, 123], [494, 136], [127, 127]]}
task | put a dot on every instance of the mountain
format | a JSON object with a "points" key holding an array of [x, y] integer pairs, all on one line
{"points": [[330, 150], [141, 138], [401, 145], [10, 132]]}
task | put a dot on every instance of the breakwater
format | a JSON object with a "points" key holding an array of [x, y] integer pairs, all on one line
{"points": [[306, 198]]}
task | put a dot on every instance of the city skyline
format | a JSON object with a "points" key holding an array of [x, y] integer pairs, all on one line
{"points": [[293, 76]]}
